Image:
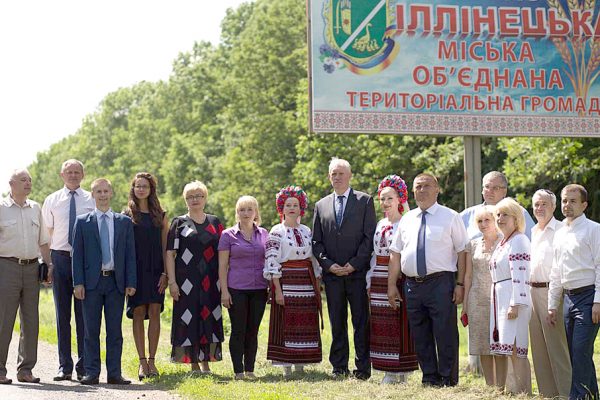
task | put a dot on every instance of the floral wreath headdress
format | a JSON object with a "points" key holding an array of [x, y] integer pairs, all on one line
{"points": [[398, 184], [291, 191]]}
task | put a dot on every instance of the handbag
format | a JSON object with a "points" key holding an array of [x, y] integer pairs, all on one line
{"points": [[43, 272]]}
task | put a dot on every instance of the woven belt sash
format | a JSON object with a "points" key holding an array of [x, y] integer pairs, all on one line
{"points": [[382, 260], [307, 263]]}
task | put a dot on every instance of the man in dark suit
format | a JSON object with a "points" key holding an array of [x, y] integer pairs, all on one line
{"points": [[103, 272], [343, 228]]}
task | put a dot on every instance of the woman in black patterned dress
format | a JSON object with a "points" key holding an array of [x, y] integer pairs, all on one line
{"points": [[193, 269]]}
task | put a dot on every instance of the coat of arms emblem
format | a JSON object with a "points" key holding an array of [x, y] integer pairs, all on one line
{"points": [[358, 35]]}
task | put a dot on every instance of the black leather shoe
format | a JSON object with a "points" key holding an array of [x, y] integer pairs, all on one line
{"points": [[89, 380], [61, 376], [118, 380], [363, 376]]}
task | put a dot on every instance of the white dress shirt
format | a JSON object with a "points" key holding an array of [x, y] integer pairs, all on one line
{"points": [[445, 237], [111, 234], [56, 214], [542, 251], [576, 260]]}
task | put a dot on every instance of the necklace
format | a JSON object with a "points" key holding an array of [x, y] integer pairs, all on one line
{"points": [[247, 235], [503, 242], [488, 244], [196, 218]]}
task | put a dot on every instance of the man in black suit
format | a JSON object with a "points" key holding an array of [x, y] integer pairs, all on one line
{"points": [[343, 228]]}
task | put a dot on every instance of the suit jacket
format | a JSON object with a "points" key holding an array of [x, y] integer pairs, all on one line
{"points": [[87, 252], [352, 241]]}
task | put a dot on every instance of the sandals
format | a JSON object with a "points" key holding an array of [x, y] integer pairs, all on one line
{"points": [[144, 369], [152, 371]]}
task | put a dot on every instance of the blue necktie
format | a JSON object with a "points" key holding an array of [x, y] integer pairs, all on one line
{"points": [[340, 211], [421, 263], [72, 216], [105, 240]]}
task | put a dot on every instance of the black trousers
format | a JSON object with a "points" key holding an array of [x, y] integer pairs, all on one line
{"points": [[245, 314], [432, 319], [340, 292]]}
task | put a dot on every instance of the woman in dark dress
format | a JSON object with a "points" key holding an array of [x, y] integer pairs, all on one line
{"points": [[193, 270], [150, 228]]}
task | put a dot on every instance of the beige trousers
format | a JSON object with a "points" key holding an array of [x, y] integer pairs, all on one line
{"points": [[549, 349], [19, 290]]}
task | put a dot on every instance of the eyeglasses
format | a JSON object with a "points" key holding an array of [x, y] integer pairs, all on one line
{"points": [[195, 197], [493, 188]]}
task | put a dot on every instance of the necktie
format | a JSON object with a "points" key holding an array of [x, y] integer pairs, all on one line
{"points": [[421, 263], [340, 211], [72, 216], [105, 240]]}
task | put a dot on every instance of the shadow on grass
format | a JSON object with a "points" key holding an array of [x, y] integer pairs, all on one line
{"points": [[170, 381]]}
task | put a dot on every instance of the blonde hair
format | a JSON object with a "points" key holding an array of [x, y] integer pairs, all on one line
{"points": [[195, 185], [485, 210], [246, 201], [509, 206], [98, 181]]}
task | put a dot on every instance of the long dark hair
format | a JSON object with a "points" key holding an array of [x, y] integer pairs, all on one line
{"points": [[133, 207]]}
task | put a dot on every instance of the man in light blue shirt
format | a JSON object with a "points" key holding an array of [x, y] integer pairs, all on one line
{"points": [[495, 187]]}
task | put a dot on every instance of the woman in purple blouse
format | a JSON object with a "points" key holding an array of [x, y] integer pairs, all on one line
{"points": [[243, 287]]}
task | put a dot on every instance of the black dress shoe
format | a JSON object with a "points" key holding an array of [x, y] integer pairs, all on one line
{"points": [[61, 376], [118, 380], [89, 380], [363, 376]]}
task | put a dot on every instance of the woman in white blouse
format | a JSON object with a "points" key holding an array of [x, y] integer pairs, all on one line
{"points": [[294, 337], [392, 349], [510, 300]]}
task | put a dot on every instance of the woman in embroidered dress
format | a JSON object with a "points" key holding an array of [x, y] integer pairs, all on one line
{"points": [[391, 347], [478, 284], [294, 337], [510, 300], [193, 269], [243, 286], [150, 227]]}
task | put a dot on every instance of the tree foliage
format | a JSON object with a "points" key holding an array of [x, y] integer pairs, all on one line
{"points": [[234, 115]]}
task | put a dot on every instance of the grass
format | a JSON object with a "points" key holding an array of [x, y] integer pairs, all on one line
{"points": [[315, 383]]}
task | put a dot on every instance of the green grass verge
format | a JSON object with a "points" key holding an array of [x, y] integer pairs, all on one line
{"points": [[316, 383]]}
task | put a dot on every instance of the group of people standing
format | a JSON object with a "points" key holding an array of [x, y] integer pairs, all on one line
{"points": [[537, 282], [402, 277]]}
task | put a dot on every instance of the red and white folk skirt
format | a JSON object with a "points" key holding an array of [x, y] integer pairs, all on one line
{"points": [[391, 346], [294, 336]]}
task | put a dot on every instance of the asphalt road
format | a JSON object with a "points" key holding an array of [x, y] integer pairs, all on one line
{"points": [[47, 389]]}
